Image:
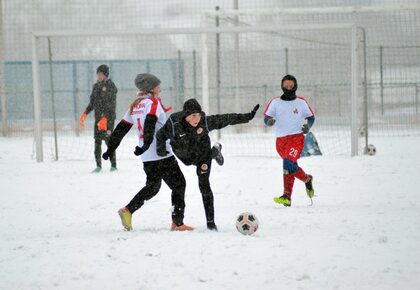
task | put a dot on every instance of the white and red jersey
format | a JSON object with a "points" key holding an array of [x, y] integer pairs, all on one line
{"points": [[149, 105], [288, 115]]}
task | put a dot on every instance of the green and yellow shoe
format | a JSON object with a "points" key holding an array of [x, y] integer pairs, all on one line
{"points": [[284, 200], [309, 188], [125, 216]]}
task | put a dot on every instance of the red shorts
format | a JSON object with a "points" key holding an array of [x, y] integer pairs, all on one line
{"points": [[290, 146]]}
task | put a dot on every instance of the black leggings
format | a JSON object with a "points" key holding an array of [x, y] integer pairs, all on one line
{"points": [[168, 170], [203, 173]]}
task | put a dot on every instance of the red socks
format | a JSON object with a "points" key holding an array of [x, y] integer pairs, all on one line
{"points": [[301, 175], [289, 180]]}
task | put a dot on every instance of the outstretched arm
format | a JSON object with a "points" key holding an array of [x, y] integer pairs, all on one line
{"points": [[223, 120], [115, 139]]}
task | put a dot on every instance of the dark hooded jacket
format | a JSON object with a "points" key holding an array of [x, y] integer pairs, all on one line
{"points": [[192, 144], [103, 100]]}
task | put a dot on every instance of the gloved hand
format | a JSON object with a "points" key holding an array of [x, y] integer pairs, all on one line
{"points": [[82, 119], [305, 129], [161, 151], [102, 124], [139, 151], [107, 154], [254, 111], [211, 226], [269, 121]]}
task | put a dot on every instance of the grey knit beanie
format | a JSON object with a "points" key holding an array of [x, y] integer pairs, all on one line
{"points": [[146, 82]]}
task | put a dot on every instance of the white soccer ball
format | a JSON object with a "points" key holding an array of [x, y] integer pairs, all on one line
{"points": [[370, 150], [247, 223]]}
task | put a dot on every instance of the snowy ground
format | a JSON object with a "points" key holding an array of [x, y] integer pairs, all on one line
{"points": [[60, 229]]}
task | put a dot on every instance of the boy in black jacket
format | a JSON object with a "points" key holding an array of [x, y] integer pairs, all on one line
{"points": [[188, 132], [103, 100]]}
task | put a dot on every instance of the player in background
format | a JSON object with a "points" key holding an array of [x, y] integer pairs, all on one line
{"points": [[147, 114], [288, 112], [188, 132], [103, 100]]}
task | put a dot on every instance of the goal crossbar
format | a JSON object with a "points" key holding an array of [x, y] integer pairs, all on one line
{"points": [[204, 32]]}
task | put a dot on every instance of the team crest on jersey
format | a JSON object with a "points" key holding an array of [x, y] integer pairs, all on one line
{"points": [[104, 89], [204, 167], [199, 130], [295, 111]]}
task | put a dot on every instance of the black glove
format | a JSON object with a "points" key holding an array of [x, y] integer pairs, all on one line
{"points": [[254, 111], [139, 151], [305, 129], [161, 151], [106, 155], [212, 226]]}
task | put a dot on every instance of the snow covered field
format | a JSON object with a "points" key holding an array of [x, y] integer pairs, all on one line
{"points": [[60, 228]]}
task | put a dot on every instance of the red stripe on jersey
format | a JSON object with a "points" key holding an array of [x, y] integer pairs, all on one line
{"points": [[125, 121], [155, 104], [165, 109], [269, 106], [302, 98]]}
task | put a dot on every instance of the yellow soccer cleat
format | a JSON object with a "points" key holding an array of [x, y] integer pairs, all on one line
{"points": [[125, 216], [284, 200]]}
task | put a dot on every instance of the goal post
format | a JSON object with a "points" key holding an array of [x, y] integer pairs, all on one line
{"points": [[262, 57]]}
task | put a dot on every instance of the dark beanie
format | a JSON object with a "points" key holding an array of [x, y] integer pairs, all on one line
{"points": [[103, 68], [289, 95], [146, 82], [191, 106], [289, 78]]}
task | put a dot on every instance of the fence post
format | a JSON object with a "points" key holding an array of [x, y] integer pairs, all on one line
{"points": [[3, 96], [218, 81], [194, 74], [37, 100], [52, 98], [355, 77], [381, 77], [417, 98], [181, 84], [76, 100]]}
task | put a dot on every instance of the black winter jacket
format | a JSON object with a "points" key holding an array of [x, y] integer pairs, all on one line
{"points": [[192, 144], [103, 100]]}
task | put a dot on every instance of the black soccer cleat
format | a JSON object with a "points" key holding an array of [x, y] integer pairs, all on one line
{"points": [[217, 153], [309, 188], [211, 226]]}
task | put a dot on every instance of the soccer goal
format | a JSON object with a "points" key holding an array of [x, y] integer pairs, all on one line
{"points": [[228, 69]]}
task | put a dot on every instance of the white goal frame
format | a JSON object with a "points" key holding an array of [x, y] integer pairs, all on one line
{"points": [[204, 32]]}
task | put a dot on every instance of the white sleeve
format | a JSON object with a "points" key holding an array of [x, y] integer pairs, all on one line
{"points": [[307, 111], [127, 118], [270, 111]]}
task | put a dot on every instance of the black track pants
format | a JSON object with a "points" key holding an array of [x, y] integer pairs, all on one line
{"points": [[168, 170]]}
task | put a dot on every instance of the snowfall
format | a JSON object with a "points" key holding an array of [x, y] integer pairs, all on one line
{"points": [[60, 228]]}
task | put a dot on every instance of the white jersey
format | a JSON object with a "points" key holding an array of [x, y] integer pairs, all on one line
{"points": [[288, 115], [148, 106]]}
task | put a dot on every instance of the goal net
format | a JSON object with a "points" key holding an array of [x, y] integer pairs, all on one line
{"points": [[228, 69]]}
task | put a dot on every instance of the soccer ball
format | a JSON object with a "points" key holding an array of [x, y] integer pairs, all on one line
{"points": [[247, 223], [370, 150]]}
